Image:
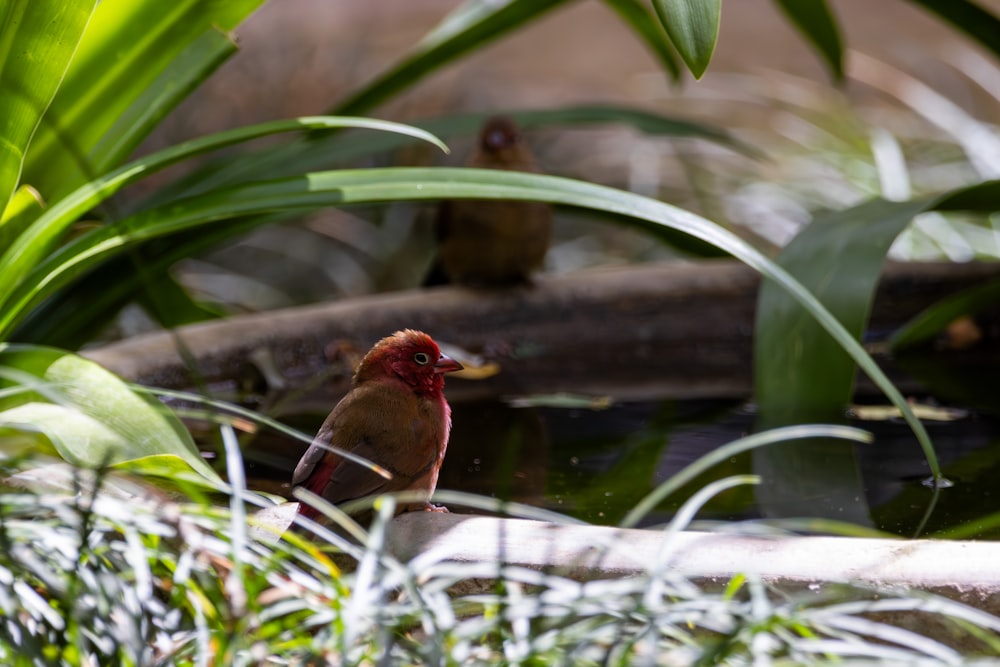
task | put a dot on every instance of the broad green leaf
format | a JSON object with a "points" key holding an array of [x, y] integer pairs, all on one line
{"points": [[363, 186], [37, 42], [77, 437], [637, 15], [980, 24], [91, 417], [802, 375], [814, 20], [43, 235], [693, 27], [132, 54], [470, 26], [839, 258]]}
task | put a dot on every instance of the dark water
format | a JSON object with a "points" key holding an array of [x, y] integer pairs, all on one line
{"points": [[597, 464]]}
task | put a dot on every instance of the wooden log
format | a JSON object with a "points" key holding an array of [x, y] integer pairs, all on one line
{"points": [[656, 330]]}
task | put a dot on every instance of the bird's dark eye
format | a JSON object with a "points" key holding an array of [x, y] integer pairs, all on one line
{"points": [[422, 358]]}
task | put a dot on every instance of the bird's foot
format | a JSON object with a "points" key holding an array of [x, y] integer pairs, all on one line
{"points": [[430, 507]]}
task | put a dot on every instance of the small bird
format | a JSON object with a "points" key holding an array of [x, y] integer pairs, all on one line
{"points": [[492, 243], [395, 415]]}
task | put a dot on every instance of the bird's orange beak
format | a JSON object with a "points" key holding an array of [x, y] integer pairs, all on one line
{"points": [[446, 364]]}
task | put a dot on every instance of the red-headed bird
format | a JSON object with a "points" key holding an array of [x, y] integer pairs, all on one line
{"points": [[492, 243], [395, 415]]}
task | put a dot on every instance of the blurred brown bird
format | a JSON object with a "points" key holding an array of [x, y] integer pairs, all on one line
{"points": [[492, 243], [395, 415]]}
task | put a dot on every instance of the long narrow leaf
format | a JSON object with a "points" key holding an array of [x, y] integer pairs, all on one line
{"points": [[42, 236], [185, 73], [315, 153], [74, 315], [22, 209]]}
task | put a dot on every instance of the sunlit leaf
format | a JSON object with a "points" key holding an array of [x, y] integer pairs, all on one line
{"points": [[136, 61], [167, 466], [24, 207], [90, 416], [37, 41]]}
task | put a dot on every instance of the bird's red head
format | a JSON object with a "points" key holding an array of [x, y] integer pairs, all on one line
{"points": [[413, 356], [498, 134]]}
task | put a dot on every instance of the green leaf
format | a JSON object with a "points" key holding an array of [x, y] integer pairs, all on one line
{"points": [[91, 417], [181, 77], [802, 375], [839, 258], [470, 26], [980, 24], [325, 150], [693, 27], [136, 61], [39, 240], [645, 25], [75, 314], [23, 208], [170, 467], [814, 20], [37, 42]]}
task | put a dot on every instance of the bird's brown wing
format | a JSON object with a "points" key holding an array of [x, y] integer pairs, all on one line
{"points": [[326, 473], [363, 424]]}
